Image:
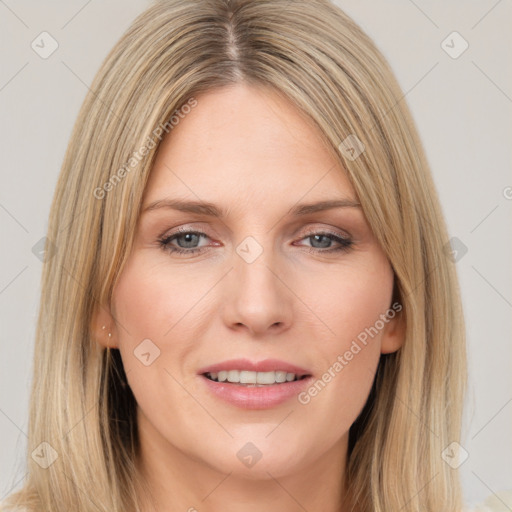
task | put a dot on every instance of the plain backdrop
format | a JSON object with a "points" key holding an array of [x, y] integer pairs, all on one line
{"points": [[461, 103]]}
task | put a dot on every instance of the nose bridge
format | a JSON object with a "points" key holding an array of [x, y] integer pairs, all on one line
{"points": [[257, 297]]}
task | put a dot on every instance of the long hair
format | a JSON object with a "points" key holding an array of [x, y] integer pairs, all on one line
{"points": [[313, 54]]}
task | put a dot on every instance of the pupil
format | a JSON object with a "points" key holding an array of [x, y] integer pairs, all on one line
{"points": [[327, 240], [187, 238]]}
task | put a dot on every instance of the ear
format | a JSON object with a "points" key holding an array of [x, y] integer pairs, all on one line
{"points": [[103, 327], [393, 334]]}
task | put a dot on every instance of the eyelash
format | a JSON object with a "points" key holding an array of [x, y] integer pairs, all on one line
{"points": [[345, 243]]}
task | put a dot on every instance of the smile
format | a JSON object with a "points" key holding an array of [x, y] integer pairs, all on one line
{"points": [[251, 378]]}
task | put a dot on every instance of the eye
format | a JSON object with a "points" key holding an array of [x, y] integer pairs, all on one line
{"points": [[187, 242], [321, 241]]}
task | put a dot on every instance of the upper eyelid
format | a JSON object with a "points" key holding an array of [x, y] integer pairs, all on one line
{"points": [[352, 215], [201, 230]]}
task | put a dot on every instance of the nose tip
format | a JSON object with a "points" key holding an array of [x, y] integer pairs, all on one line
{"points": [[258, 299]]}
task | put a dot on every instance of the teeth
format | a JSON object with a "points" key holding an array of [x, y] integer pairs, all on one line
{"points": [[247, 377], [233, 376], [281, 376], [255, 378]]}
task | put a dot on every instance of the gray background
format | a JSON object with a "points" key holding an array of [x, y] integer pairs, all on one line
{"points": [[462, 108]]}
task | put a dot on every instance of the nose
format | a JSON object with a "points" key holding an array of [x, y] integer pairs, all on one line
{"points": [[257, 298]]}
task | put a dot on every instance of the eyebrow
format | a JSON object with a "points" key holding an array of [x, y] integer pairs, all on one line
{"points": [[210, 209]]}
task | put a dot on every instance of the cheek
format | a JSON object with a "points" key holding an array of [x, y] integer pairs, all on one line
{"points": [[347, 356], [151, 302], [150, 310], [146, 307], [349, 300]]}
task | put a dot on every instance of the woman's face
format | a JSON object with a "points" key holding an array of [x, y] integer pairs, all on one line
{"points": [[285, 290]]}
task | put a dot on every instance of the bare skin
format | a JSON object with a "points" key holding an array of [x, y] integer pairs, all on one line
{"points": [[251, 153]]}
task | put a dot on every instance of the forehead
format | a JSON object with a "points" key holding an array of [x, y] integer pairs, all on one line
{"points": [[245, 144]]}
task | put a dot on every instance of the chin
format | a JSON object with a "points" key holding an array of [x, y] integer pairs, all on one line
{"points": [[266, 468], [258, 460]]}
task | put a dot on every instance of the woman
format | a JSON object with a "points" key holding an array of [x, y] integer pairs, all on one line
{"points": [[249, 304]]}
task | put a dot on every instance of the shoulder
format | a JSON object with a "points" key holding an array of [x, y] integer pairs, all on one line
{"points": [[10, 508], [497, 502]]}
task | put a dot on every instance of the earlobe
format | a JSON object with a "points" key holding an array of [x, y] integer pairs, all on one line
{"points": [[103, 328], [393, 336]]}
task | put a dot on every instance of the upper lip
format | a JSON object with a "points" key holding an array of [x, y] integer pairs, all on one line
{"points": [[267, 365]]}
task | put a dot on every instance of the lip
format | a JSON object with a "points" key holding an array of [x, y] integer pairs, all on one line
{"points": [[267, 365], [254, 397]]}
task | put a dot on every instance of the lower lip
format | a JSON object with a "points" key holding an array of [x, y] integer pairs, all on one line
{"points": [[264, 397]]}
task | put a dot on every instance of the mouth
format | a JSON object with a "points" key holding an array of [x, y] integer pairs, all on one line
{"points": [[249, 384], [254, 379]]}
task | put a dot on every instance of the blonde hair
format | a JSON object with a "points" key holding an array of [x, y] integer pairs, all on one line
{"points": [[313, 54]]}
